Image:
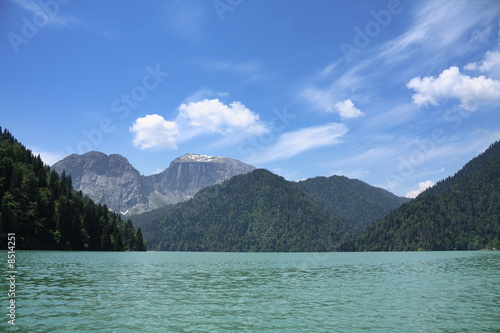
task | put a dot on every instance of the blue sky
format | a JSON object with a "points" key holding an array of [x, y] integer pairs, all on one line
{"points": [[399, 94]]}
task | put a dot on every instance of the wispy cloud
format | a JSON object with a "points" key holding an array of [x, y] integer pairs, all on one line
{"points": [[439, 16], [325, 97], [294, 143], [50, 13], [407, 159], [391, 117], [360, 79]]}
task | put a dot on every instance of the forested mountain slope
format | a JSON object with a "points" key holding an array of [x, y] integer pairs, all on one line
{"points": [[461, 212], [351, 200], [258, 211], [46, 213]]}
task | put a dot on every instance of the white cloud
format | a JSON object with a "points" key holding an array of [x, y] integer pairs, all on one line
{"points": [[490, 63], [196, 118], [215, 117], [452, 84], [294, 143], [347, 109], [154, 131], [422, 186]]}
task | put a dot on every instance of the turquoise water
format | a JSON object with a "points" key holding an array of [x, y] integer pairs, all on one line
{"points": [[255, 292]]}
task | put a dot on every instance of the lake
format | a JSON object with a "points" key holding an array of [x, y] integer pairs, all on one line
{"points": [[255, 292]]}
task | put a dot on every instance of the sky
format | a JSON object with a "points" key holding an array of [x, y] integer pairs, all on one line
{"points": [[399, 94]]}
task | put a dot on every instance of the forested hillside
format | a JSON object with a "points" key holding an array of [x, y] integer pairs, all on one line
{"points": [[258, 211], [351, 200], [42, 209], [461, 212]]}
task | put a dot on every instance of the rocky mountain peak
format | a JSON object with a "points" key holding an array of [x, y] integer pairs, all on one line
{"points": [[112, 180]]}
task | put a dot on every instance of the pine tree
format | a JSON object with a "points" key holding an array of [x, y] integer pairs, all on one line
{"points": [[140, 246]]}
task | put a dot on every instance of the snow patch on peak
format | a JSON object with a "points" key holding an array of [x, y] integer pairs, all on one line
{"points": [[190, 157]]}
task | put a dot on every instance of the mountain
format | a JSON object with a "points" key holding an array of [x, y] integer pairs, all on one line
{"points": [[114, 181], [45, 213], [190, 173], [461, 212], [257, 211], [351, 200], [260, 211], [110, 180]]}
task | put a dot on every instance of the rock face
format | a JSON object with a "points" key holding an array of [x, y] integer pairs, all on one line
{"points": [[113, 181], [190, 173]]}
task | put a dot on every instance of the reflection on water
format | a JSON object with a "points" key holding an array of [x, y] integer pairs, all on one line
{"points": [[257, 292]]}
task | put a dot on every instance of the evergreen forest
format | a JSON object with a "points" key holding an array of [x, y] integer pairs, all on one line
{"points": [[458, 213], [256, 211], [46, 213]]}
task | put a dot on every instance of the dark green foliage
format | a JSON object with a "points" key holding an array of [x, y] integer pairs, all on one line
{"points": [[143, 220], [351, 200], [258, 211], [45, 213], [461, 212]]}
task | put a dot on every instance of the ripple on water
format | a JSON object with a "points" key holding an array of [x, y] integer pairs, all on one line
{"points": [[255, 292]]}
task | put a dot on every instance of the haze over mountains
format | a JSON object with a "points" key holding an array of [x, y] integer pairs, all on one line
{"points": [[114, 181]]}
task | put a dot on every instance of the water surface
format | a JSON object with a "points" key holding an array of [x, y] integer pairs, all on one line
{"points": [[256, 292]]}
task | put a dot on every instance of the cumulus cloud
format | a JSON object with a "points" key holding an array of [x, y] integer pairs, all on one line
{"points": [[452, 84], [213, 116], [347, 109], [154, 131], [422, 186], [294, 143], [195, 118]]}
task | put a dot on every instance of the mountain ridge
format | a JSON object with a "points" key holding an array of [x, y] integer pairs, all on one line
{"points": [[257, 212], [261, 211], [343, 196], [111, 179]]}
